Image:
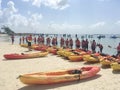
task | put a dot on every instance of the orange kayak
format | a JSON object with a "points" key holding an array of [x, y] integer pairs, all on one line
{"points": [[25, 56], [59, 76]]}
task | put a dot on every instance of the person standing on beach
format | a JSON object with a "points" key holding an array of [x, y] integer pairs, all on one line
{"points": [[42, 40], [118, 50], [67, 43], [93, 46], [77, 43], [86, 44], [20, 40], [34, 39], [62, 42], [71, 43], [12, 39], [83, 44], [48, 40], [29, 40], [38, 40]]}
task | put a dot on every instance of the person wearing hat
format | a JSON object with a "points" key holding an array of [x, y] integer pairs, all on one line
{"points": [[118, 50]]}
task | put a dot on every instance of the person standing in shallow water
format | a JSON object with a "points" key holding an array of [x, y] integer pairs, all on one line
{"points": [[100, 47]]}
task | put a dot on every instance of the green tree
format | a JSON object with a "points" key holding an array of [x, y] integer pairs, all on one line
{"points": [[7, 30]]}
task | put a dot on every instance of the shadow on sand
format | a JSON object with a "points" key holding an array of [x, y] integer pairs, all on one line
{"points": [[105, 67], [52, 86], [91, 63], [116, 71]]}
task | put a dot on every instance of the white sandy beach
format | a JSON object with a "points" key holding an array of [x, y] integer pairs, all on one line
{"points": [[106, 79]]}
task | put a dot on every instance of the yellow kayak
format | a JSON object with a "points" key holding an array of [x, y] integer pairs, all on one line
{"points": [[115, 66]]}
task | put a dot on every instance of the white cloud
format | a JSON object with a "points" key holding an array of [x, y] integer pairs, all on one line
{"points": [[11, 17], [118, 22], [65, 27], [23, 24], [103, 0], [25, 0], [54, 4], [37, 3], [11, 7], [1, 13], [17, 20], [57, 4], [6, 13], [36, 16], [97, 25], [0, 3]]}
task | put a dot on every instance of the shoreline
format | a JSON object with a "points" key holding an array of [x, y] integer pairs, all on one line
{"points": [[106, 79]]}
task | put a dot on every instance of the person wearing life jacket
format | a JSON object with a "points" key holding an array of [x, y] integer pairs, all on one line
{"points": [[93, 46], [62, 42], [77, 43], [42, 40], [118, 50], [86, 44], [71, 43], [38, 40], [53, 41], [29, 40], [83, 44], [67, 43], [48, 40], [34, 40]]}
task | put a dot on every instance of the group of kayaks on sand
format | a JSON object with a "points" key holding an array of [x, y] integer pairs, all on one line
{"points": [[65, 51], [77, 54]]}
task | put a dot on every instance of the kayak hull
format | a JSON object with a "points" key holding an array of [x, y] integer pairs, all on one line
{"points": [[115, 66], [58, 76], [25, 56]]}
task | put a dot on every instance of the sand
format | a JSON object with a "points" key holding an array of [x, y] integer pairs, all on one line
{"points": [[106, 79]]}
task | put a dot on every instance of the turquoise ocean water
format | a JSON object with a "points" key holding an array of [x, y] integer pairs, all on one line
{"points": [[107, 41]]}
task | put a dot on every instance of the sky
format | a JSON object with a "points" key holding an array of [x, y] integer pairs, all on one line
{"points": [[61, 16]]}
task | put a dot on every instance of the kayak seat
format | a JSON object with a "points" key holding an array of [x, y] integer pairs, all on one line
{"points": [[76, 72]]}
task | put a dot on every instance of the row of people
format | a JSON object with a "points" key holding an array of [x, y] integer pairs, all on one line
{"points": [[67, 43]]}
